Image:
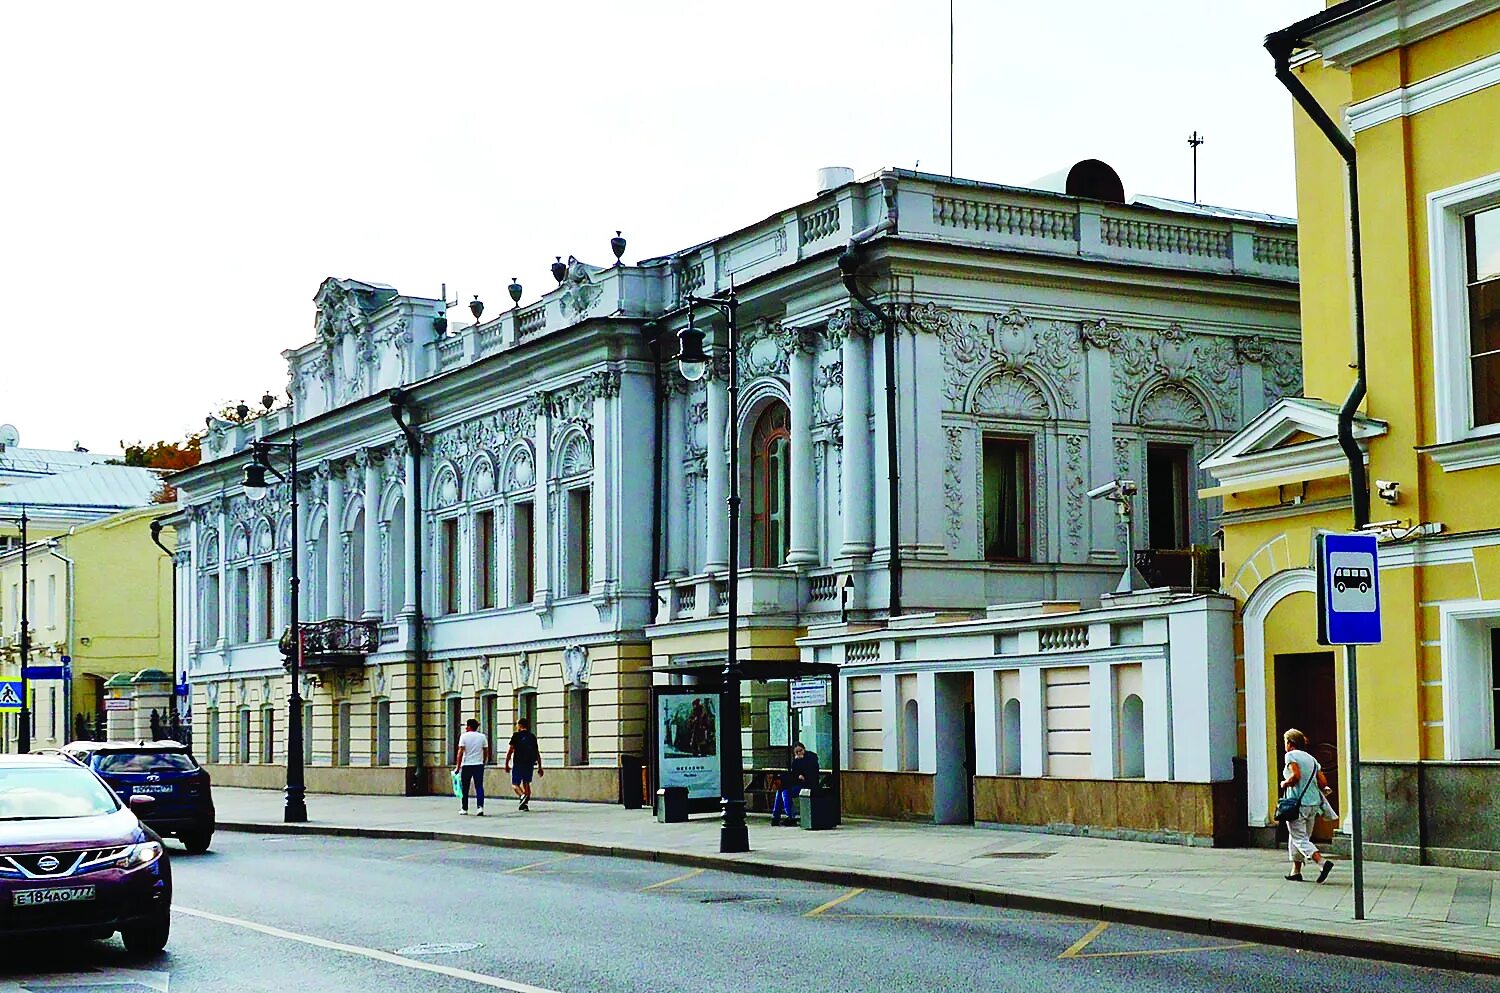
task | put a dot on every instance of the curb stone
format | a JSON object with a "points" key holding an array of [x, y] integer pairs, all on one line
{"points": [[1380, 949]]}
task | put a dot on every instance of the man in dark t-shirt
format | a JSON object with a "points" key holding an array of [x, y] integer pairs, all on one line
{"points": [[526, 755]]}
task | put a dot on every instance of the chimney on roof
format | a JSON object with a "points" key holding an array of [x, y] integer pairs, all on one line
{"points": [[832, 177]]}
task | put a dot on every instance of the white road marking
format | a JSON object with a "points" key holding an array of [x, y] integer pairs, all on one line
{"points": [[379, 955]]}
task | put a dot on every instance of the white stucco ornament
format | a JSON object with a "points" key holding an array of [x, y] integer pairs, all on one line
{"points": [[576, 665]]}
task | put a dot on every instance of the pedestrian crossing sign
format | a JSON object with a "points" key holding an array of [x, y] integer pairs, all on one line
{"points": [[10, 694]]}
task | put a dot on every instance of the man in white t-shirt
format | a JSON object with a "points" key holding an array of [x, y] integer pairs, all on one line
{"points": [[468, 765]]}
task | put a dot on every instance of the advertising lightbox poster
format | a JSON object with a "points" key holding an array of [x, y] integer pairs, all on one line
{"points": [[687, 747]]}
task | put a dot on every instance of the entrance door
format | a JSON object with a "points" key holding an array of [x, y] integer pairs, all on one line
{"points": [[1307, 699], [953, 726]]}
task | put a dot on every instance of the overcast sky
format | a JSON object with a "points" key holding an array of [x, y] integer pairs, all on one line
{"points": [[177, 178]]}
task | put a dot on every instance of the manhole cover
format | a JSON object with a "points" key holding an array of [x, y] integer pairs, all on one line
{"points": [[438, 948], [1018, 855]]}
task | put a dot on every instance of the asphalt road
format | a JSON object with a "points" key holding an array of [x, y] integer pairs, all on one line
{"points": [[320, 915]]}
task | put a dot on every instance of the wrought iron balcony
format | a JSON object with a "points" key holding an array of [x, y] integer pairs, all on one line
{"points": [[338, 641], [1195, 569]]}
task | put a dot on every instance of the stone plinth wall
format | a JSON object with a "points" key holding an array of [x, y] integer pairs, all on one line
{"points": [[1138, 810], [903, 796], [1432, 813]]}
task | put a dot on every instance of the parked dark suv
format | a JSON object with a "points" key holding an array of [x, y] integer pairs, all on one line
{"points": [[162, 782], [75, 860]]}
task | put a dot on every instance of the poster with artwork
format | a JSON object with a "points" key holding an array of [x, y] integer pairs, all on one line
{"points": [[687, 746], [779, 724]]}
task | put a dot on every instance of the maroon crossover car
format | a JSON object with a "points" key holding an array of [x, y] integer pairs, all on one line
{"points": [[75, 860]]}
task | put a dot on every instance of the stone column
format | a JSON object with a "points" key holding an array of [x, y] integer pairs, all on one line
{"points": [[603, 500], [803, 547], [334, 601], [857, 486], [716, 555], [676, 511], [303, 563], [372, 540], [1098, 339], [223, 567]]}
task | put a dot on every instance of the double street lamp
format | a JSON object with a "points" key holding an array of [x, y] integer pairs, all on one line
{"points": [[693, 362], [255, 489], [23, 736]]}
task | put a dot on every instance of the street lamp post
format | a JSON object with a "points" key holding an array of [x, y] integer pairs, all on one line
{"points": [[295, 811], [23, 735], [734, 836]]}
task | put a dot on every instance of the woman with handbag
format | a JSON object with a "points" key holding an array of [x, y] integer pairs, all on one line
{"points": [[1301, 804]]}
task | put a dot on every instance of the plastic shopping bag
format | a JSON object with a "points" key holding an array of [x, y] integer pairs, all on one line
{"points": [[458, 786]]}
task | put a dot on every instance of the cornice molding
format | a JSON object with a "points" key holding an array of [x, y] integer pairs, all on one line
{"points": [[1429, 93]]}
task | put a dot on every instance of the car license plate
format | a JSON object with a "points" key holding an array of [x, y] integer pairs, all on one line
{"points": [[42, 898], [152, 788]]}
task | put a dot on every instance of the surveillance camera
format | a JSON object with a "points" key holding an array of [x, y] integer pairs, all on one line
{"points": [[1388, 490], [1128, 487], [1107, 489]]}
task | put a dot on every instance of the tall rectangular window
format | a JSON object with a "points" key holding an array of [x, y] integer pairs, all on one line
{"points": [[451, 576], [578, 725], [523, 553], [489, 717], [1167, 495], [454, 720], [382, 732], [213, 734], [307, 733], [1007, 511], [1495, 686], [267, 735], [345, 719], [210, 625], [52, 601], [579, 545], [484, 557], [239, 606], [244, 742], [267, 602], [1482, 246]]}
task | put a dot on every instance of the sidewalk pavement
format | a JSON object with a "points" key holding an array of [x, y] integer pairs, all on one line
{"points": [[1444, 918]]}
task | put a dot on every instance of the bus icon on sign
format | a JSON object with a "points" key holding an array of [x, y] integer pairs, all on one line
{"points": [[1347, 578]]}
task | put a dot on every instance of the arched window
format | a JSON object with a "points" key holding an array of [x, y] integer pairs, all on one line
{"points": [[1132, 738], [770, 483], [910, 738], [1010, 738]]}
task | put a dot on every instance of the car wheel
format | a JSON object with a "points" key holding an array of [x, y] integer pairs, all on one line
{"points": [[196, 842], [148, 937]]}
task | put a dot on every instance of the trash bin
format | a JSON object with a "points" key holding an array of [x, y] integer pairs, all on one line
{"points": [[631, 797], [817, 811], [672, 804]]}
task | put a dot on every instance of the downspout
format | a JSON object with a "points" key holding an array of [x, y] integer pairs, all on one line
{"points": [[401, 403], [848, 265], [1280, 46], [156, 526], [68, 693], [651, 331]]}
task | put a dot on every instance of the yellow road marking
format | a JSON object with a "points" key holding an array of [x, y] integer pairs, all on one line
{"points": [[674, 879], [477, 978], [1082, 943], [818, 911], [538, 865], [1165, 951]]}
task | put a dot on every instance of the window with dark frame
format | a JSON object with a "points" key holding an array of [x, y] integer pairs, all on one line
{"points": [[1495, 686], [1167, 476], [1007, 509], [451, 600], [770, 487], [580, 548], [484, 557], [1482, 249], [523, 554], [267, 602]]}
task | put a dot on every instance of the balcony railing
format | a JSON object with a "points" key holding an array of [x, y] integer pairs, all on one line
{"points": [[1194, 569], [338, 641]]}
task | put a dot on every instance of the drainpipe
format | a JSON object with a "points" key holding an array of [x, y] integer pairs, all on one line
{"points": [[68, 684], [156, 526], [848, 265], [401, 404], [1280, 46], [651, 331]]}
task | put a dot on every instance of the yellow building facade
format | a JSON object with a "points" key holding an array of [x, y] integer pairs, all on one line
{"points": [[101, 595], [1415, 87]]}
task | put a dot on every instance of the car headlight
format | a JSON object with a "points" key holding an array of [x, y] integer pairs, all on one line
{"points": [[140, 855]]}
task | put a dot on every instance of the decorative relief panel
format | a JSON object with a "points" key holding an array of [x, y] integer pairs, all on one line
{"points": [[1076, 485], [1011, 395], [953, 485], [1144, 356], [1011, 341], [1282, 371]]}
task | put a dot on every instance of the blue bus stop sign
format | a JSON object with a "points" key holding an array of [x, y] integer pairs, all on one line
{"points": [[1348, 589]]}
